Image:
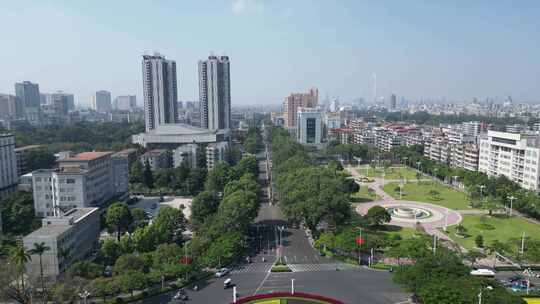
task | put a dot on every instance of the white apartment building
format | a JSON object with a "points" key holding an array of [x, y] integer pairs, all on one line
{"points": [[76, 232], [215, 152], [8, 165], [309, 126], [83, 180], [516, 156], [185, 154]]}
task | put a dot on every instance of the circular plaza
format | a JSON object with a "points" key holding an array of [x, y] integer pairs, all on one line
{"points": [[408, 213]]}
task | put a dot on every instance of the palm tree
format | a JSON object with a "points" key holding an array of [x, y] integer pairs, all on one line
{"points": [[19, 257], [39, 249]]}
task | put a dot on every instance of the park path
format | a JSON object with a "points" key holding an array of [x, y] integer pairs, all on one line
{"points": [[431, 228]]}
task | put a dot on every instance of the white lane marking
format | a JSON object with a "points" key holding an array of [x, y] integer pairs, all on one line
{"points": [[262, 282]]}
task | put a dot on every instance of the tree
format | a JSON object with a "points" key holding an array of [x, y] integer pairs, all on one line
{"points": [[86, 269], [130, 262], [169, 225], [144, 239], [136, 173], [434, 194], [474, 255], [39, 249], [378, 215], [461, 230], [119, 217], [418, 176], [140, 219], [202, 206], [351, 186], [147, 176], [133, 280], [491, 204], [18, 215], [110, 251], [479, 241], [233, 155], [19, 257], [40, 159], [103, 287]]}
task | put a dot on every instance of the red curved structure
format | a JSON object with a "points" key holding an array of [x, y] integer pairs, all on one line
{"points": [[292, 296]]}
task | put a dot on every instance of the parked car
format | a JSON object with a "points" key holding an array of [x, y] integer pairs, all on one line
{"points": [[222, 272]]}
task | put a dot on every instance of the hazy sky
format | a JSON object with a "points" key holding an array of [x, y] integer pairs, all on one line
{"points": [[458, 49]]}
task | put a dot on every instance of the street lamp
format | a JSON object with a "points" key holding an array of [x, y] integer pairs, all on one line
{"points": [[418, 165], [455, 177], [84, 295], [511, 198], [400, 190], [481, 291], [481, 192]]}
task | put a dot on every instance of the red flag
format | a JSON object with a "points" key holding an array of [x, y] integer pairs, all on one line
{"points": [[360, 240], [185, 260]]}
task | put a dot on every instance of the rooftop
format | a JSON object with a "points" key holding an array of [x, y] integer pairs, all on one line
{"points": [[29, 147], [86, 156]]}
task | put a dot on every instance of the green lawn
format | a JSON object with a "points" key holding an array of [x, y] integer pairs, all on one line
{"points": [[404, 232], [363, 196], [493, 228], [391, 173], [447, 197]]}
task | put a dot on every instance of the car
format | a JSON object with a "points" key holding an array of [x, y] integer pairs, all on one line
{"points": [[483, 272], [515, 278], [154, 206], [222, 272]]}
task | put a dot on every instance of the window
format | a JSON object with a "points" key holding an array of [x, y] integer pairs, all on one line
{"points": [[70, 181]]}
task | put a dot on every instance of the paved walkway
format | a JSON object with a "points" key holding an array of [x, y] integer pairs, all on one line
{"points": [[440, 216]]}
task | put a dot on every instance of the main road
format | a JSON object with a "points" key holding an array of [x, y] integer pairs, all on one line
{"points": [[311, 272]]}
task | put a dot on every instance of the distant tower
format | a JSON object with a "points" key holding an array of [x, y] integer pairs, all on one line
{"points": [[160, 91], [374, 87], [215, 92], [393, 102]]}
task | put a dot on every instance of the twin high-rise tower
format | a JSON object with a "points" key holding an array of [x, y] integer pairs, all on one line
{"points": [[160, 92], [215, 92]]}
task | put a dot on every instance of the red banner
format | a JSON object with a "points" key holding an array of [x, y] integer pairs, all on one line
{"points": [[359, 240]]}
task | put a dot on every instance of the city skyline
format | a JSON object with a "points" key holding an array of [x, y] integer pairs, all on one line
{"points": [[417, 49]]}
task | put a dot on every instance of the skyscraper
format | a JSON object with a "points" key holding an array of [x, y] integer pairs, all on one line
{"points": [[160, 91], [215, 93], [101, 101], [393, 102], [30, 98]]}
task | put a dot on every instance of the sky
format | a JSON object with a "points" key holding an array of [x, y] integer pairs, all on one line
{"points": [[456, 49]]}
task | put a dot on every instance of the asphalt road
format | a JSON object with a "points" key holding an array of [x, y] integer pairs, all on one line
{"points": [[312, 273]]}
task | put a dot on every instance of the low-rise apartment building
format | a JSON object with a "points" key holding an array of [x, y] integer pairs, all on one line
{"points": [[157, 159], [70, 237], [83, 180]]}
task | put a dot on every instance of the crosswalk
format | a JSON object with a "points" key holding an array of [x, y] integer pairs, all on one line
{"points": [[320, 267], [314, 267], [252, 268]]}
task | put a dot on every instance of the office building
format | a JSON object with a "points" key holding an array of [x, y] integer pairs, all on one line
{"points": [[309, 126], [131, 155], [28, 93], [67, 99], [125, 102], [393, 102], [101, 101], [215, 93], [21, 154], [160, 91], [76, 231], [120, 173], [8, 165], [10, 107], [185, 155], [296, 100], [82, 180], [157, 159], [215, 153], [516, 156]]}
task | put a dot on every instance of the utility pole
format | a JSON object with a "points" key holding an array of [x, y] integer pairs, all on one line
{"points": [[522, 242], [292, 286], [434, 244]]}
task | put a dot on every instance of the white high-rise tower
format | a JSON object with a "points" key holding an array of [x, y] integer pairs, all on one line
{"points": [[160, 91], [215, 92]]}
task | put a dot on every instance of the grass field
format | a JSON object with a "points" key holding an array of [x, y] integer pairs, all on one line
{"points": [[391, 173], [447, 197], [363, 196], [493, 228], [404, 232]]}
